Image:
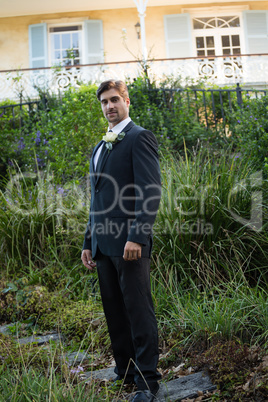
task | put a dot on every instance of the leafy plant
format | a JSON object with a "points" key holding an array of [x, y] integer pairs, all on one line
{"points": [[204, 226], [249, 130]]}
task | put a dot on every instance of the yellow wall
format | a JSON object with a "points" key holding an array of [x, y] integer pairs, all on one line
{"points": [[14, 49]]}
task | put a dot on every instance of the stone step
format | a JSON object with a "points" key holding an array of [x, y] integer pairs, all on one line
{"points": [[40, 340], [175, 390]]}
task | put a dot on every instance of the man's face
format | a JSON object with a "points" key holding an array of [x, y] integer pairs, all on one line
{"points": [[114, 107]]}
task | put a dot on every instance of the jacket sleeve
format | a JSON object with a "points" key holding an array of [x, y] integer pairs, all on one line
{"points": [[147, 181], [87, 238]]}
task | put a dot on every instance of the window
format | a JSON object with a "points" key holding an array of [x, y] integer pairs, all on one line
{"points": [[224, 31], [218, 35], [66, 45]]}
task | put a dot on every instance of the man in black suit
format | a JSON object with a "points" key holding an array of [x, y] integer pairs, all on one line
{"points": [[125, 196]]}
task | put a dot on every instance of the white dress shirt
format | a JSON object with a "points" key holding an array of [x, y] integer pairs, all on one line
{"points": [[116, 129]]}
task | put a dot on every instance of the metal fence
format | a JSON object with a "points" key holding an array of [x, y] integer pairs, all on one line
{"points": [[210, 106], [16, 112]]}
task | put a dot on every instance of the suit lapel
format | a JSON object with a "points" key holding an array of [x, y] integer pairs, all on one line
{"points": [[104, 153], [91, 167], [107, 153]]}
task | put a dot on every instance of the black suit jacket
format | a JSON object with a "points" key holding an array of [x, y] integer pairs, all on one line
{"points": [[125, 194]]}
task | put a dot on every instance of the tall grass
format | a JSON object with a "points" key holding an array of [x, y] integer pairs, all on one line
{"points": [[209, 279], [212, 222], [44, 374], [41, 222], [222, 312]]}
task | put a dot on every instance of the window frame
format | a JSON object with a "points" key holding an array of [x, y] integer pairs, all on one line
{"points": [[218, 11], [218, 32], [66, 24]]}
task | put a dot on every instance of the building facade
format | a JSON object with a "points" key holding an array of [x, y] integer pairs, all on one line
{"points": [[225, 42]]}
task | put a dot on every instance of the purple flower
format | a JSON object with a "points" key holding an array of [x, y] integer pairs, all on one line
{"points": [[60, 191], [255, 118], [77, 370], [251, 117], [45, 141], [38, 139], [1, 114], [238, 121], [236, 156], [39, 161], [21, 144]]}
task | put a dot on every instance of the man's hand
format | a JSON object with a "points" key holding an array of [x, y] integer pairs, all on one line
{"points": [[132, 251], [86, 258]]}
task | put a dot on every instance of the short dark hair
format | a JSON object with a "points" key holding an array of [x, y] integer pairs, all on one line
{"points": [[119, 85]]}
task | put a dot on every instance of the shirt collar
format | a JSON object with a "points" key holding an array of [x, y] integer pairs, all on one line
{"points": [[120, 126]]}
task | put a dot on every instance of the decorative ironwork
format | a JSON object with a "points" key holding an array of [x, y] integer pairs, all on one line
{"points": [[221, 70]]}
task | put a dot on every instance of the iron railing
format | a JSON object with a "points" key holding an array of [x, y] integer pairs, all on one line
{"points": [[17, 111], [250, 70], [210, 106]]}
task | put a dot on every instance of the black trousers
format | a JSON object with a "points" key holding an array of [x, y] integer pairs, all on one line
{"points": [[128, 307]]}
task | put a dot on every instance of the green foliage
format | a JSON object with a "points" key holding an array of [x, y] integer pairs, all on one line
{"points": [[209, 277], [249, 131], [76, 320], [170, 115], [60, 131], [37, 216], [18, 356], [29, 372], [223, 312], [10, 124], [76, 127], [204, 226]]}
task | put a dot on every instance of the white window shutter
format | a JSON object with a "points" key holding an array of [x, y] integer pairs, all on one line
{"points": [[256, 31], [178, 35], [94, 52], [38, 45]]}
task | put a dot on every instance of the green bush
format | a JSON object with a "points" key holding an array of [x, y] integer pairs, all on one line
{"points": [[249, 131], [62, 132], [10, 140], [41, 222], [171, 115], [212, 221], [76, 127]]}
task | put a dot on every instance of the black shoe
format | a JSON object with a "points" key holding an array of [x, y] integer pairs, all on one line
{"points": [[144, 396]]}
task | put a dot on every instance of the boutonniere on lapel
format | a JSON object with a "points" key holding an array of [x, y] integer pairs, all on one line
{"points": [[111, 138]]}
